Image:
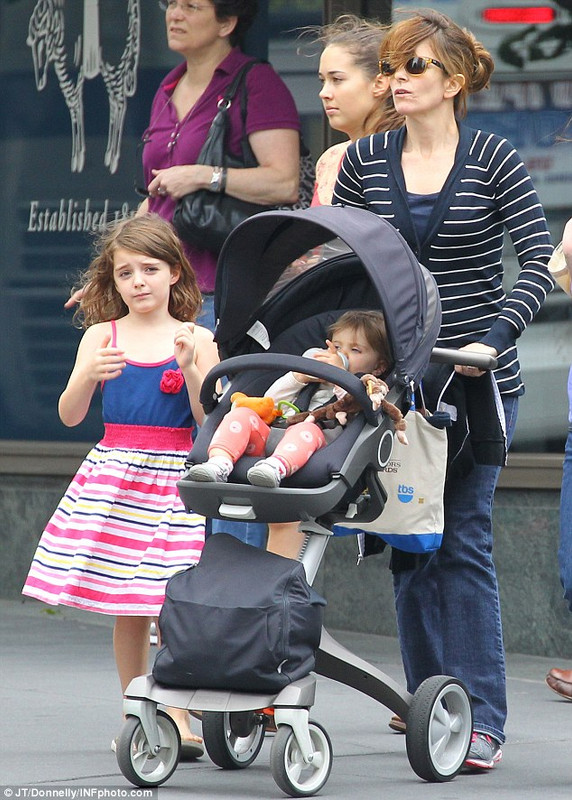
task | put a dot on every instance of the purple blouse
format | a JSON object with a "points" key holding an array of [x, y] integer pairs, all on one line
{"points": [[172, 142]]}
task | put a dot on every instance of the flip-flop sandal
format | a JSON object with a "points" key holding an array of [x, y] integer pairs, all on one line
{"points": [[191, 749]]}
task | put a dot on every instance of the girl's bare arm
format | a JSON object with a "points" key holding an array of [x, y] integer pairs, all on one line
{"points": [[96, 361], [196, 354]]}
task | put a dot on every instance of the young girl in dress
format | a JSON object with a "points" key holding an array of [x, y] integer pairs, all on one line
{"points": [[121, 529]]}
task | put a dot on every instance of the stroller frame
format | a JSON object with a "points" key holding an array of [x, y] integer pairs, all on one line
{"points": [[439, 715]]}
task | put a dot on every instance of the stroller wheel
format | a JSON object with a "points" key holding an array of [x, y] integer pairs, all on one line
{"points": [[137, 762], [233, 739], [289, 771], [439, 728]]}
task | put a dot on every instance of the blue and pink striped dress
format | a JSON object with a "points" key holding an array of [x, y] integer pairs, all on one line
{"points": [[121, 530]]}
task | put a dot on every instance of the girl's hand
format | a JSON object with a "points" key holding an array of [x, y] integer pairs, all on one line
{"points": [[185, 345], [96, 361], [108, 362], [196, 354], [475, 347], [75, 298]]}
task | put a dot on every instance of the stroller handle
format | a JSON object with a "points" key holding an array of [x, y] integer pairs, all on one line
{"points": [[286, 363], [465, 358]]}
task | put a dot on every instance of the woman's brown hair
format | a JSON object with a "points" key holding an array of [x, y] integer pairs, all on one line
{"points": [[244, 11], [456, 47], [361, 38]]}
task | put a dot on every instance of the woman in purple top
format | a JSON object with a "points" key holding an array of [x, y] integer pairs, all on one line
{"points": [[207, 34]]}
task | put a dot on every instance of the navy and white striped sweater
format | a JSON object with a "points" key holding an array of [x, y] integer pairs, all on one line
{"points": [[487, 190]]}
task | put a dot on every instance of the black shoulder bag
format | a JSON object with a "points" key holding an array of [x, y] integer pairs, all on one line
{"points": [[204, 219], [222, 627]]}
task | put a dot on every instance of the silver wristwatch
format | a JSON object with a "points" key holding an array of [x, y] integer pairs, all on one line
{"points": [[216, 180]]}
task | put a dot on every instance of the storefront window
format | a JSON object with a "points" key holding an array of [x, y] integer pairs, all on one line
{"points": [[70, 125]]}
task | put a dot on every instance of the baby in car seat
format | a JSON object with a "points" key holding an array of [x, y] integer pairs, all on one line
{"points": [[358, 342]]}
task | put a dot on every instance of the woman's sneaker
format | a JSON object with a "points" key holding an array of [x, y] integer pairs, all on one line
{"points": [[484, 752]]}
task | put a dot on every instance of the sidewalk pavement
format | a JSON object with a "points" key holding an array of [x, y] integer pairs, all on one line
{"points": [[60, 709]]}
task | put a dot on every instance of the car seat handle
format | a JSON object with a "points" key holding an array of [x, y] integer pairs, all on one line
{"points": [[286, 363]]}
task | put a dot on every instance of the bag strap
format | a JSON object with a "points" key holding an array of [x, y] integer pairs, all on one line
{"points": [[219, 125], [247, 152], [304, 149], [235, 85], [439, 419]]}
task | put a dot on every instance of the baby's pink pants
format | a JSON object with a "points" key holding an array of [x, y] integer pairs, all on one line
{"points": [[242, 432]]}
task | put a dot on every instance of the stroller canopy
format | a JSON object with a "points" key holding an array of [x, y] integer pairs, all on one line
{"points": [[379, 271]]}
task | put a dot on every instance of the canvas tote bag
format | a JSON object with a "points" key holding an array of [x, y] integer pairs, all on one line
{"points": [[414, 479]]}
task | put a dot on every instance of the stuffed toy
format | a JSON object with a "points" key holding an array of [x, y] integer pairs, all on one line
{"points": [[263, 406], [340, 409]]}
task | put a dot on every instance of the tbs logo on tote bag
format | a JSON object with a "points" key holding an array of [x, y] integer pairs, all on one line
{"points": [[414, 479]]}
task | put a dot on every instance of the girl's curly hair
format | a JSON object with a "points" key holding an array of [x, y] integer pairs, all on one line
{"points": [[147, 234]]}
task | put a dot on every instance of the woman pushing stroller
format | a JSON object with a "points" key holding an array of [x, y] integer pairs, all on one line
{"points": [[453, 192]]}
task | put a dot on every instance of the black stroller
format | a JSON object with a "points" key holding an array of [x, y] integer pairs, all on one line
{"points": [[283, 278]]}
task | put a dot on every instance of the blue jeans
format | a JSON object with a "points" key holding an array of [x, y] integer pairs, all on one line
{"points": [[448, 609], [565, 549], [253, 533], [206, 317]]}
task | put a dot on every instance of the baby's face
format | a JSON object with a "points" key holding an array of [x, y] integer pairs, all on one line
{"points": [[360, 354]]}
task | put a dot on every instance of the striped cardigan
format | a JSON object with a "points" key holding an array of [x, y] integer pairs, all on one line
{"points": [[487, 190]]}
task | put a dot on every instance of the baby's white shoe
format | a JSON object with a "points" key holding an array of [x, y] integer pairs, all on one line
{"points": [[266, 473]]}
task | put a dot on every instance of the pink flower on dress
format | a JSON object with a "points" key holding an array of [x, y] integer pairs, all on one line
{"points": [[172, 381]]}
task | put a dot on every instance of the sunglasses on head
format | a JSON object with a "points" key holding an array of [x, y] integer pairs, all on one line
{"points": [[415, 66]]}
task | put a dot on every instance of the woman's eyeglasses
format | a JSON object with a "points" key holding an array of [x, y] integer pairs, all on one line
{"points": [[415, 66], [186, 8]]}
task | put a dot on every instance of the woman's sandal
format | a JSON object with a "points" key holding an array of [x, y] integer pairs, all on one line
{"points": [[191, 749], [397, 724]]}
